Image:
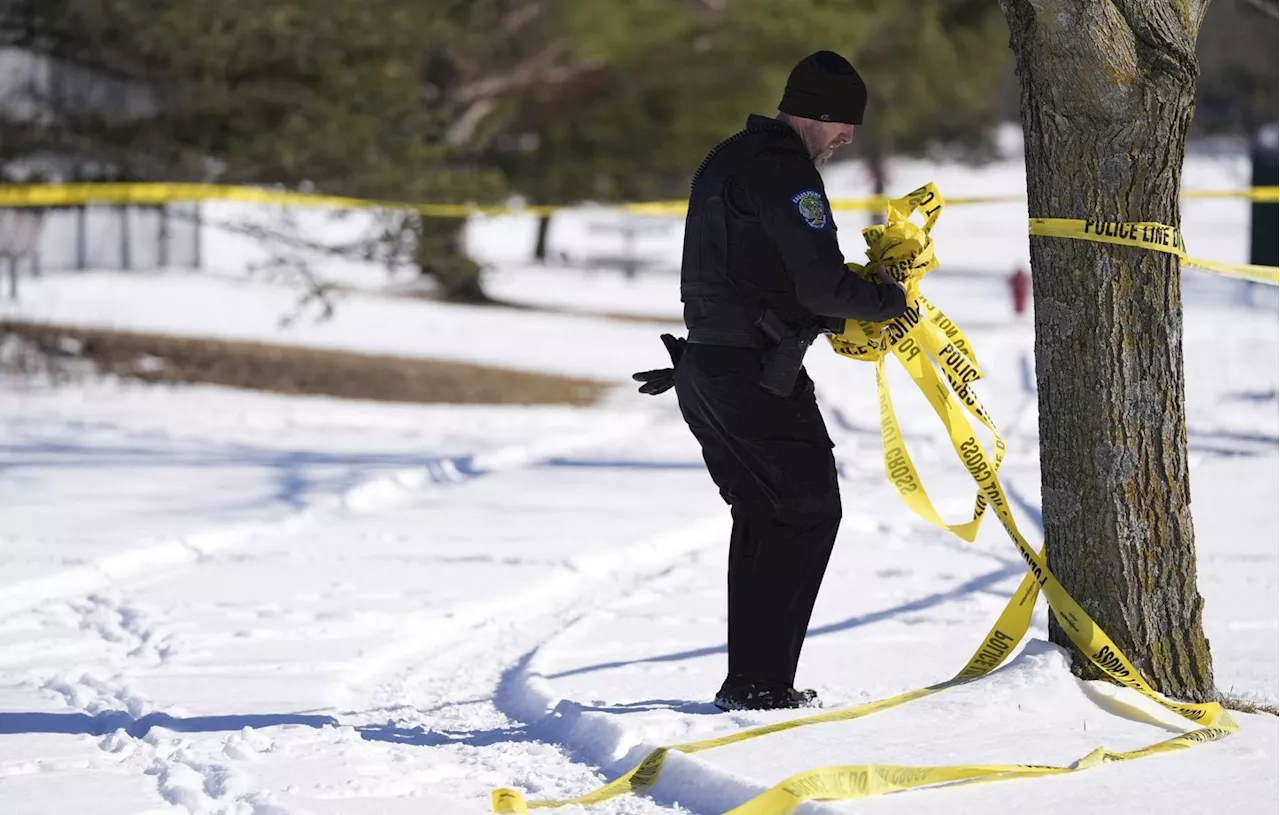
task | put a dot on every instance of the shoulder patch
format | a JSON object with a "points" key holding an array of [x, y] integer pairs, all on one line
{"points": [[812, 206]]}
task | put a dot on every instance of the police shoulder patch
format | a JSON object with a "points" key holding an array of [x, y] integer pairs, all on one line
{"points": [[812, 206]]}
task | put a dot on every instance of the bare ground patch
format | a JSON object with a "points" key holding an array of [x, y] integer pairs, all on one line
{"points": [[1248, 706], [288, 369]]}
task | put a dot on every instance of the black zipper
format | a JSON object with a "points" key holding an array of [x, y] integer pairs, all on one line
{"points": [[734, 139]]}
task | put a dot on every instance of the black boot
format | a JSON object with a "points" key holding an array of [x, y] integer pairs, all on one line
{"points": [[741, 693]]}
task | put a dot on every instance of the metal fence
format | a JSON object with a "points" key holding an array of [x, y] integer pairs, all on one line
{"points": [[118, 238], [19, 234]]}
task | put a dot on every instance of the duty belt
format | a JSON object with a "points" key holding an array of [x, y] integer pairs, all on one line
{"points": [[784, 345], [752, 338]]}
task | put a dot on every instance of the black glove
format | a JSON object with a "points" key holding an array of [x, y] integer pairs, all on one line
{"points": [[662, 379]]}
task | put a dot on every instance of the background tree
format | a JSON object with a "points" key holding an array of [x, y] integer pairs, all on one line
{"points": [[684, 75], [330, 95], [934, 69], [462, 101], [1107, 99], [286, 92], [1237, 51]]}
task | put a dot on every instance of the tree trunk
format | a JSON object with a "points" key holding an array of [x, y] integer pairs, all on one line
{"points": [[540, 249], [1107, 97], [878, 167], [442, 255]]}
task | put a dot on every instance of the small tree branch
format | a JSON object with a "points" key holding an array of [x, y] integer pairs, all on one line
{"points": [[515, 20], [480, 97], [464, 127], [538, 69]]}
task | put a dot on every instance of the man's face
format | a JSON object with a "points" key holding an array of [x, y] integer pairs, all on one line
{"points": [[822, 138]]}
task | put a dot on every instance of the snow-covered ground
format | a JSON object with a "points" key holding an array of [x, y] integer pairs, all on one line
{"points": [[233, 602]]}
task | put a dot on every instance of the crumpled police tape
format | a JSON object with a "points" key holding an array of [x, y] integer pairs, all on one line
{"points": [[157, 193], [925, 341], [1147, 235], [922, 332]]}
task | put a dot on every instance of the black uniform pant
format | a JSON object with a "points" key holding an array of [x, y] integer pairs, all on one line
{"points": [[771, 458]]}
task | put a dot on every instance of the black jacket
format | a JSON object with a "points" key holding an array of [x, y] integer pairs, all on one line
{"points": [[759, 232]]}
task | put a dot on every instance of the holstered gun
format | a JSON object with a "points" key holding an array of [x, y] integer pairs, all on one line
{"points": [[782, 364]]}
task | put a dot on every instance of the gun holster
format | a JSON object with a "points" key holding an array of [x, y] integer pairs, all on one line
{"points": [[782, 363]]}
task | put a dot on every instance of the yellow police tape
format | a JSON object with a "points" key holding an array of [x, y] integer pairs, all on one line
{"points": [[907, 251], [1259, 194], [157, 193], [925, 341], [154, 194], [1147, 235]]}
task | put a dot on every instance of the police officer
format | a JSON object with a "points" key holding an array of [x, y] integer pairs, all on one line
{"points": [[762, 275]]}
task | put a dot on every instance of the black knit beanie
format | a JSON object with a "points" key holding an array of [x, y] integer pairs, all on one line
{"points": [[825, 86]]}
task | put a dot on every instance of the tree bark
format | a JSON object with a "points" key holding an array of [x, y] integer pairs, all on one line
{"points": [[1107, 95]]}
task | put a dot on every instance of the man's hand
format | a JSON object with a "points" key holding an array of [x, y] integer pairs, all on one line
{"points": [[882, 275], [662, 379]]}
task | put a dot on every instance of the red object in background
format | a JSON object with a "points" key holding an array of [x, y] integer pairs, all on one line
{"points": [[1020, 282]]}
